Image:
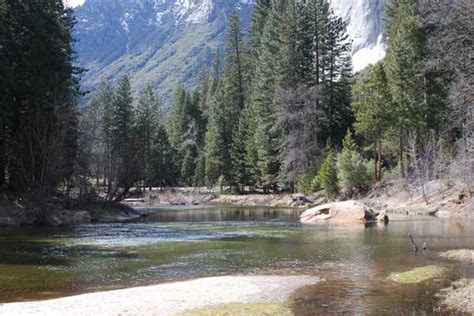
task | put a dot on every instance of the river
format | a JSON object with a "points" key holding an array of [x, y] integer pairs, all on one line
{"points": [[193, 242]]}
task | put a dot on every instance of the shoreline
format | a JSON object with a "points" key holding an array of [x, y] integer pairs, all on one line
{"points": [[392, 198], [168, 298]]}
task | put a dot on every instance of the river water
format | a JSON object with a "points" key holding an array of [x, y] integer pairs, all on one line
{"points": [[191, 242]]}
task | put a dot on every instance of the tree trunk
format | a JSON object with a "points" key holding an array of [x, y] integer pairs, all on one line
{"points": [[379, 160], [402, 166], [376, 176]]}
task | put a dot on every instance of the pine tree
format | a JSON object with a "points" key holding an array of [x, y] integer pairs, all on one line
{"points": [[327, 174], [337, 84], [234, 72], [38, 100], [259, 18], [177, 120], [372, 103], [147, 121], [317, 20], [353, 174], [124, 147], [163, 162], [267, 137], [406, 80], [228, 102], [215, 149]]}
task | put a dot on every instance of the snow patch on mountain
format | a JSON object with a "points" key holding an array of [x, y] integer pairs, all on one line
{"points": [[201, 13], [365, 20]]}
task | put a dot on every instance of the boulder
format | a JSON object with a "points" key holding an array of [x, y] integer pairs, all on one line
{"points": [[67, 218], [339, 212], [298, 200]]}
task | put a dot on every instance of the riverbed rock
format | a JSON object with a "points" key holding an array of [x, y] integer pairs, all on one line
{"points": [[67, 218], [462, 255], [339, 212], [299, 200]]}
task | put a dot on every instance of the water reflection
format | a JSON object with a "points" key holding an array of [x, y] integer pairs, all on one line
{"points": [[182, 243]]}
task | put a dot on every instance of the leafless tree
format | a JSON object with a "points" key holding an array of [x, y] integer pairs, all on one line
{"points": [[300, 116]]}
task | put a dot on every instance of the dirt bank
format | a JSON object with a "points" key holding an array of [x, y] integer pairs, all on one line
{"points": [[397, 196], [16, 212], [168, 299], [200, 196], [433, 198]]}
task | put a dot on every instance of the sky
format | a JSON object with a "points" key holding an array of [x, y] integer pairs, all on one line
{"points": [[74, 3]]}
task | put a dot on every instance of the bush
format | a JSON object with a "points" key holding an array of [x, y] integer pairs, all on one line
{"points": [[354, 175], [305, 183], [327, 176]]}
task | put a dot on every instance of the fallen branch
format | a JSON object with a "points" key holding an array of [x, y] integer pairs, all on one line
{"points": [[415, 247]]}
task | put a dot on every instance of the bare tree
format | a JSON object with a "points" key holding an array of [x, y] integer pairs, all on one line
{"points": [[301, 118]]}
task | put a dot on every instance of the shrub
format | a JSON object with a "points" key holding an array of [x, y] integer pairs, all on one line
{"points": [[354, 175], [327, 176], [306, 184]]}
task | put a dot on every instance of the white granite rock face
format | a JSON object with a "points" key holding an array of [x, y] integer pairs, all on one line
{"points": [[365, 27]]}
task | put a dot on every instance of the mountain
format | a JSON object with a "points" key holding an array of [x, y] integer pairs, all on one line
{"points": [[160, 42], [365, 20], [164, 42]]}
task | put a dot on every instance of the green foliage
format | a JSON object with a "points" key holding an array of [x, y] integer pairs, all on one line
{"points": [[38, 87], [372, 102], [353, 173], [186, 128], [309, 182], [327, 176]]}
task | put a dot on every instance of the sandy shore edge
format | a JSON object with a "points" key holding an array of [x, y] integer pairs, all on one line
{"points": [[169, 298]]}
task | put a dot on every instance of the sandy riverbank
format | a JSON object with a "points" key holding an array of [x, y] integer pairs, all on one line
{"points": [[168, 299]]}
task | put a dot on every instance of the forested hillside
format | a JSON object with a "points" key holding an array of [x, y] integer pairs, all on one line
{"points": [[281, 111], [163, 42]]}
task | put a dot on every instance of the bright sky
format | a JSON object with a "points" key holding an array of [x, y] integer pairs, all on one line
{"points": [[74, 3]]}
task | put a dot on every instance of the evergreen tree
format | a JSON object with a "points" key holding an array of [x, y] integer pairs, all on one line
{"points": [[163, 162], [38, 91], [353, 174], [267, 137], [124, 143], [259, 18], [95, 135], [215, 149], [327, 174], [177, 121], [406, 78], [147, 121], [372, 103], [227, 105]]}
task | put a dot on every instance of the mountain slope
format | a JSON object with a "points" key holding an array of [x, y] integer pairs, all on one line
{"points": [[164, 42], [160, 42]]}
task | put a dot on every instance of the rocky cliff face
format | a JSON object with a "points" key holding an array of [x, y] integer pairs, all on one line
{"points": [[365, 26], [163, 42]]}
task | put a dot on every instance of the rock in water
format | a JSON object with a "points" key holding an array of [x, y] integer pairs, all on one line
{"points": [[339, 212]]}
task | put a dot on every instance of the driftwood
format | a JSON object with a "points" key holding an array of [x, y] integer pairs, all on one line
{"points": [[415, 247]]}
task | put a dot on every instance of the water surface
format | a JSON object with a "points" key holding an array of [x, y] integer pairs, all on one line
{"points": [[190, 242]]}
